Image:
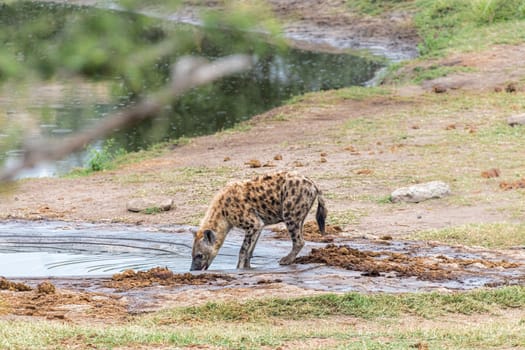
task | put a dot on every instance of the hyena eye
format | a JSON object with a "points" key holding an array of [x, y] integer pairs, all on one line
{"points": [[199, 256]]}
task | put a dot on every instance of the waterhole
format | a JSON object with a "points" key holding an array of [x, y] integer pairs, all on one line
{"points": [[51, 249], [63, 250]]}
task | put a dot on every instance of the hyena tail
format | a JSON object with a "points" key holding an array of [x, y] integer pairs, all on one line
{"points": [[321, 213]]}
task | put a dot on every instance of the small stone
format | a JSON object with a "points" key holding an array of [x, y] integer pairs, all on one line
{"points": [[278, 157], [166, 204], [137, 205], [439, 89], [421, 192], [323, 154], [511, 87], [364, 171], [323, 160], [518, 119], [371, 273], [227, 159]]}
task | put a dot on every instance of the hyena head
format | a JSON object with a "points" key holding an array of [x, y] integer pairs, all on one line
{"points": [[204, 250]]}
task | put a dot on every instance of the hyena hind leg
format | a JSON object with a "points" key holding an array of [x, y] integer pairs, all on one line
{"points": [[296, 234]]}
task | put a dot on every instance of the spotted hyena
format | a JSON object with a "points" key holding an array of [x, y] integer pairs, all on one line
{"points": [[267, 199]]}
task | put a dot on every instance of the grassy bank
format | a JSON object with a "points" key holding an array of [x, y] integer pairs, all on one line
{"points": [[450, 25], [350, 321]]}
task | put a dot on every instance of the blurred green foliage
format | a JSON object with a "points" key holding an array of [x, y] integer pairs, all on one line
{"points": [[134, 53], [58, 43], [42, 40], [102, 159]]}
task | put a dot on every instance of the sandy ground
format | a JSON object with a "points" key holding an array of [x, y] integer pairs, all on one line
{"points": [[190, 174]]}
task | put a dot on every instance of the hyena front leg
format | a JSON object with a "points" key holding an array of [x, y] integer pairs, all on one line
{"points": [[247, 248], [253, 230], [296, 234]]}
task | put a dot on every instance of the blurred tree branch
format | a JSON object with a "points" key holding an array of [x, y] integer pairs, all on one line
{"points": [[188, 72]]}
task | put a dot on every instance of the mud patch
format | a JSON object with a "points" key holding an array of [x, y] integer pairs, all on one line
{"points": [[64, 305], [376, 263], [13, 286], [130, 279], [512, 185], [311, 233]]}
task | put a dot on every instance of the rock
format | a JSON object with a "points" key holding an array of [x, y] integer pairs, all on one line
{"points": [[511, 87], [142, 205], [421, 192], [439, 89], [518, 119]]}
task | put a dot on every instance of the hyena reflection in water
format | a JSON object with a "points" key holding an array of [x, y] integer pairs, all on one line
{"points": [[250, 205]]}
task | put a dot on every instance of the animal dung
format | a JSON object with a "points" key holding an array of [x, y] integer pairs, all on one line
{"points": [[488, 174], [254, 163]]}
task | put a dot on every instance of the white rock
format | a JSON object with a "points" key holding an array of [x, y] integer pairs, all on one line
{"points": [[421, 192], [518, 119], [141, 204]]}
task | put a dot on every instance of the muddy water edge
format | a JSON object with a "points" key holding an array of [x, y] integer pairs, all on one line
{"points": [[342, 265]]}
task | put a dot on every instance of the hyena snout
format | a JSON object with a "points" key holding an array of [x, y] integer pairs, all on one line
{"points": [[198, 263], [203, 250]]}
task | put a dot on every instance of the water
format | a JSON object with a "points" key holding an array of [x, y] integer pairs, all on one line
{"points": [[58, 109], [58, 249]]}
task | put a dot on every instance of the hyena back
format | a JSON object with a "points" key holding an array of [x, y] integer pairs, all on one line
{"points": [[267, 199]]}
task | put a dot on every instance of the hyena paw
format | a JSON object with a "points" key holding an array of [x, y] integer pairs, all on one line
{"points": [[287, 260], [244, 265]]}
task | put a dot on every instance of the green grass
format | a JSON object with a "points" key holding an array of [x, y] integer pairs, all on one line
{"points": [[152, 210], [236, 128], [344, 218], [356, 93], [109, 157], [499, 235], [375, 7], [463, 155], [348, 321], [435, 71], [352, 304], [447, 25]]}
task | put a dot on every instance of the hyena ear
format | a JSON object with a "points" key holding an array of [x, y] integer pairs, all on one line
{"points": [[209, 237]]}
